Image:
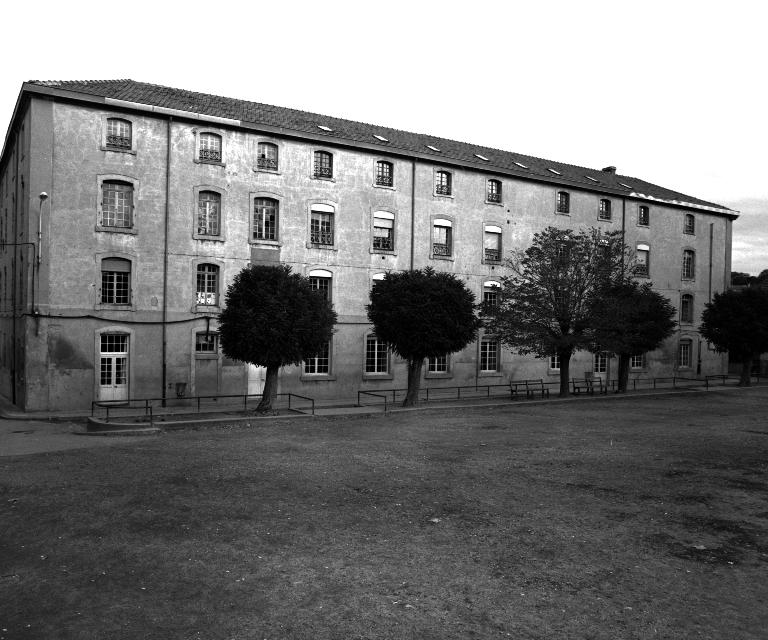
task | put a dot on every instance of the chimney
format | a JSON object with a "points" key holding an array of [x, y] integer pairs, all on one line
{"points": [[609, 169]]}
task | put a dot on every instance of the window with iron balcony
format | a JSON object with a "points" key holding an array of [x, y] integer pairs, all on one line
{"points": [[383, 231], [441, 238], [443, 180], [323, 165], [493, 193], [492, 243], [210, 148], [267, 156], [321, 225], [384, 174], [119, 134]]}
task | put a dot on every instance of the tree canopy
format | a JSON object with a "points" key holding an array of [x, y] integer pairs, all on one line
{"points": [[628, 318], [272, 318], [544, 307], [422, 314], [737, 322]]}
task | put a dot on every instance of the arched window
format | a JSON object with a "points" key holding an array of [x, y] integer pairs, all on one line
{"points": [[383, 231], [604, 212], [686, 308], [493, 191], [689, 264], [265, 218], [384, 174], [323, 166], [491, 243], [267, 156], [443, 183], [321, 225], [210, 147], [116, 281], [321, 280], [116, 204], [119, 134], [207, 284], [208, 213]]}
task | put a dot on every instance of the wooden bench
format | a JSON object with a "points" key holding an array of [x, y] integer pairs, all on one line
{"points": [[530, 388], [587, 385]]}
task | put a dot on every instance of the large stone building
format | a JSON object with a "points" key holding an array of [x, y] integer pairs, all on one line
{"points": [[126, 209]]}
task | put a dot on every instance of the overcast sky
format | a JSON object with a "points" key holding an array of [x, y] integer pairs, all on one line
{"points": [[672, 92]]}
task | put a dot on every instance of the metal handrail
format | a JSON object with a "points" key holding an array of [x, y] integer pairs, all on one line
{"points": [[375, 395]]}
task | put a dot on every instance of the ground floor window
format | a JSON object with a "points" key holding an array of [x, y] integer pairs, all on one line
{"points": [[637, 361], [684, 354], [601, 362], [320, 363], [113, 366], [489, 354], [207, 343], [376, 355], [438, 364], [554, 363]]}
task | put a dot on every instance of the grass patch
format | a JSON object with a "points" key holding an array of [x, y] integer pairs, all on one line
{"points": [[636, 518]]}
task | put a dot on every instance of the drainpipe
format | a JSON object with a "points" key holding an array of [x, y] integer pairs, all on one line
{"points": [[16, 204], [623, 228], [165, 253], [413, 209], [711, 243]]}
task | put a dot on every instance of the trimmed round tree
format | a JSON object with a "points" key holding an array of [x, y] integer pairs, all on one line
{"points": [[737, 322], [272, 318], [422, 314], [628, 319]]}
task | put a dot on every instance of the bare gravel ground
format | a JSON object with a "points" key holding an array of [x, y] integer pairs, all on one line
{"points": [[641, 517]]}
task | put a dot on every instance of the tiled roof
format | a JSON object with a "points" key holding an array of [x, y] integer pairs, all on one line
{"points": [[351, 132]]}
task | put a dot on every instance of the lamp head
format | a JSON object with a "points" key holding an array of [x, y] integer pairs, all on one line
{"points": [[43, 196]]}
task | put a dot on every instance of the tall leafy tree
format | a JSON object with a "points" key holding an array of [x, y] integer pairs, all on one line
{"points": [[422, 314], [544, 306], [737, 322], [272, 318], [628, 318]]}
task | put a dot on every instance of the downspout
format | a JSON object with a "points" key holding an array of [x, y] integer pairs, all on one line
{"points": [[711, 244], [14, 361], [165, 254], [413, 209]]}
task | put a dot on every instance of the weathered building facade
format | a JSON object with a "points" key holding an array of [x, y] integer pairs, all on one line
{"points": [[127, 208]]}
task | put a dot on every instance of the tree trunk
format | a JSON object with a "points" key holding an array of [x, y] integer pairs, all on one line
{"points": [[414, 382], [269, 395], [623, 372], [745, 380], [565, 372]]}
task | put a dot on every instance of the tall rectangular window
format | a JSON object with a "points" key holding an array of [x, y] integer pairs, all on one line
{"points": [[600, 362], [321, 225], [643, 216], [207, 284], [563, 202], [443, 183], [265, 212], [323, 165], [689, 225], [383, 231], [604, 212], [684, 354], [384, 174], [320, 363], [208, 213], [689, 264], [320, 280], [116, 204], [686, 308], [441, 238], [492, 243], [493, 191], [642, 260], [376, 355], [115, 281], [489, 354], [266, 156], [554, 363]]}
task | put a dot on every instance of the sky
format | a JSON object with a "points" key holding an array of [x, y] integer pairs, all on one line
{"points": [[672, 92]]}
